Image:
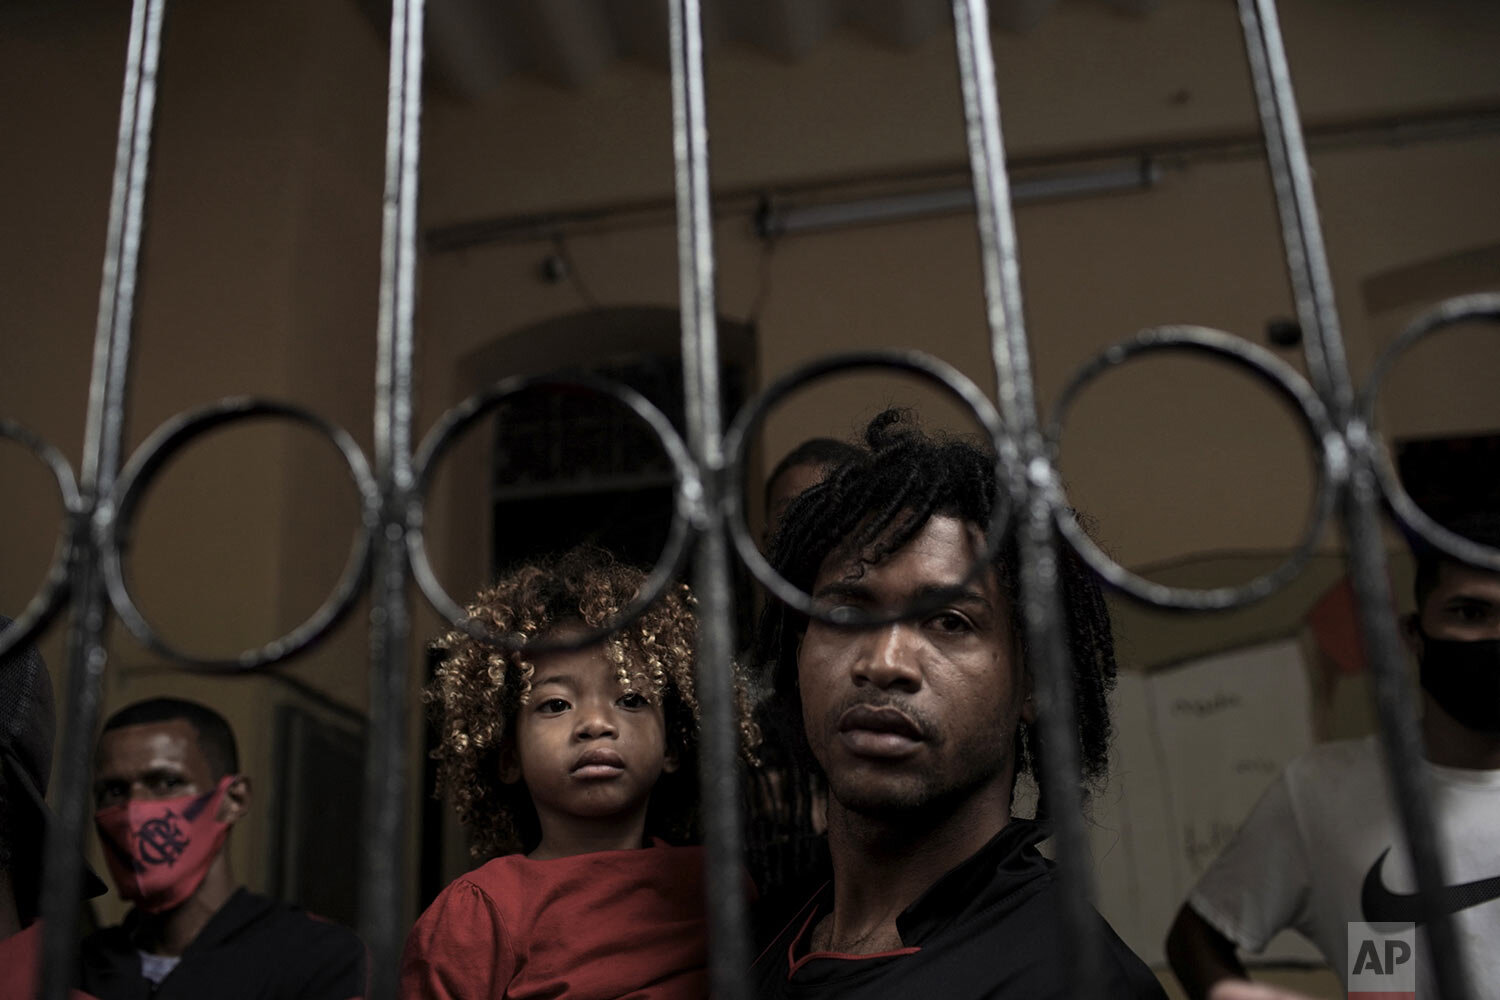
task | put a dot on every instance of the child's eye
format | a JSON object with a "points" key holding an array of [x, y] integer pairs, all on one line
{"points": [[552, 706], [632, 700]]}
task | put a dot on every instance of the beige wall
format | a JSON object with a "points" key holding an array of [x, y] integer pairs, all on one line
{"points": [[263, 261], [262, 253], [1083, 77], [1167, 465]]}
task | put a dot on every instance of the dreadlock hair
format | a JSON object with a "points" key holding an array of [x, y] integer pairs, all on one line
{"points": [[478, 689], [876, 503]]}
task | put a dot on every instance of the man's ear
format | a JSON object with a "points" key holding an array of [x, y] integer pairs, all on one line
{"points": [[670, 761], [236, 802]]}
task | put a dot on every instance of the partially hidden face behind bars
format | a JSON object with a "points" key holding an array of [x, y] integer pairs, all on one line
{"points": [[920, 725]]}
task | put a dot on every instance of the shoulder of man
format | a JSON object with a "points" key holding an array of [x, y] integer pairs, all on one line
{"points": [[322, 959], [285, 943], [104, 942], [272, 916], [108, 963], [1125, 975]]}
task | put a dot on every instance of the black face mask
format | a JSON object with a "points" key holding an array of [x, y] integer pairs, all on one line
{"points": [[1464, 678]]}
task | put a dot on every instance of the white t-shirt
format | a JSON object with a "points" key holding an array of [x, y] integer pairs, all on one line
{"points": [[1302, 858]]}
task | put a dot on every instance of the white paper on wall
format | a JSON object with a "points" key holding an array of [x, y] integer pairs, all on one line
{"points": [[1195, 746]]}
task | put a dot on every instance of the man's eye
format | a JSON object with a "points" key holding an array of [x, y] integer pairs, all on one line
{"points": [[552, 706], [632, 699], [844, 615], [950, 621], [1473, 612]]}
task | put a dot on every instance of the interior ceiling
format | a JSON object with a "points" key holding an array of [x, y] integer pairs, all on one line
{"points": [[474, 45]]}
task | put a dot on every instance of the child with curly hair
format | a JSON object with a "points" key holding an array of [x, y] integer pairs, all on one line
{"points": [[577, 768]]}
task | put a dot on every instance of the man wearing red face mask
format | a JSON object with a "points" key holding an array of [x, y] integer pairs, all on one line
{"points": [[167, 791]]}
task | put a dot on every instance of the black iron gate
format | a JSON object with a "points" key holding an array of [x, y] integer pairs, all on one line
{"points": [[1355, 480]]}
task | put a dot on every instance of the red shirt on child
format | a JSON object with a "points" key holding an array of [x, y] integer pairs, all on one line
{"points": [[612, 924], [19, 954]]}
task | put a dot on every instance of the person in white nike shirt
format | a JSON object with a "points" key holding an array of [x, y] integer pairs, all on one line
{"points": [[1323, 846]]}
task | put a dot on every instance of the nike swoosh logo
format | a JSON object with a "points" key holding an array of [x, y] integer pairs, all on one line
{"points": [[1380, 905]]}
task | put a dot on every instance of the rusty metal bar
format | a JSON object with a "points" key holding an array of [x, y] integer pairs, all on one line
{"points": [[1312, 288], [382, 884], [1034, 493], [729, 954], [104, 435]]}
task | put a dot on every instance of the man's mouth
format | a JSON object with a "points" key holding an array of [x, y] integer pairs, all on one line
{"points": [[598, 763], [879, 731]]}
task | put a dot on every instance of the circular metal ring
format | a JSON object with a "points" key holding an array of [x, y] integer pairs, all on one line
{"points": [[749, 420], [1329, 446], [1447, 313], [147, 463], [49, 597], [687, 513]]}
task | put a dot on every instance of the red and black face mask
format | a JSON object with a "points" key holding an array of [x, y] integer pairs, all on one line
{"points": [[159, 851]]}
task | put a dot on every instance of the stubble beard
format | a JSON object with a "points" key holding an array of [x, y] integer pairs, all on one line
{"points": [[913, 794]]}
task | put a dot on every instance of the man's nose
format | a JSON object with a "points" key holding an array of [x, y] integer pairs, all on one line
{"points": [[891, 659]]}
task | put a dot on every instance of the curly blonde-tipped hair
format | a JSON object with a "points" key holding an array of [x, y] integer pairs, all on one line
{"points": [[478, 689]]}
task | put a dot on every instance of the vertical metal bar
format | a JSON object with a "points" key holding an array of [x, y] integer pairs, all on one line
{"points": [[1043, 614], [1291, 176], [104, 434], [718, 742], [1312, 288], [382, 885]]}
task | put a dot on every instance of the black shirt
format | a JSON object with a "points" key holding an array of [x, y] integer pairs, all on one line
{"points": [[254, 948], [988, 928]]}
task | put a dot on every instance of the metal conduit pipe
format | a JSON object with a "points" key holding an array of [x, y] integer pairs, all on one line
{"points": [[1035, 177]]}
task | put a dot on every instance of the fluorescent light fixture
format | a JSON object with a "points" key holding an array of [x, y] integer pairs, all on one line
{"points": [[773, 221]]}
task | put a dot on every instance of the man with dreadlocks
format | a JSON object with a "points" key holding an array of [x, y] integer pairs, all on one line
{"points": [[920, 727]]}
